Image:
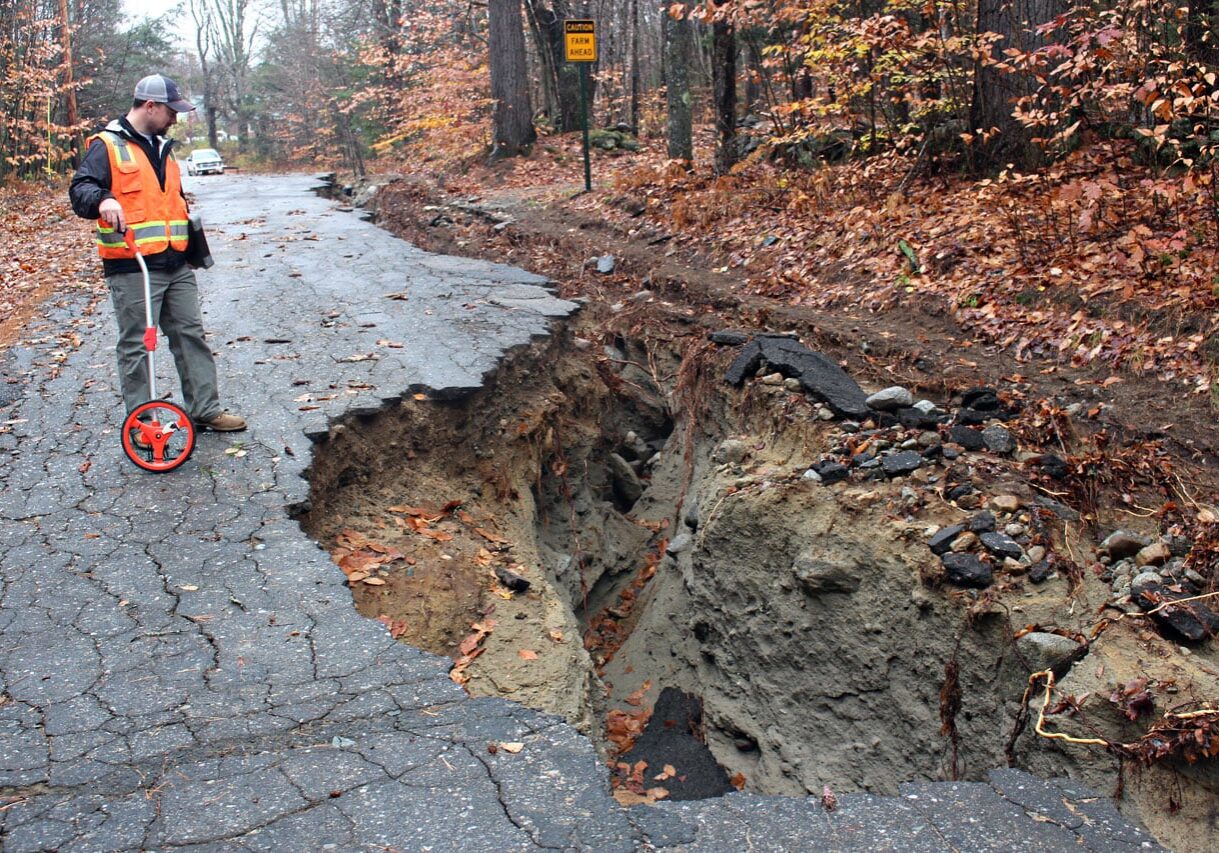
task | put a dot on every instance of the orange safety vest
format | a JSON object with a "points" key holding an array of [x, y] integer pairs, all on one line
{"points": [[158, 217]]}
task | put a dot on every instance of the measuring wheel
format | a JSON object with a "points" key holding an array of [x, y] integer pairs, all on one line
{"points": [[158, 436]]}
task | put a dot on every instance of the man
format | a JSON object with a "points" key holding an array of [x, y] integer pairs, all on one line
{"points": [[130, 179]]}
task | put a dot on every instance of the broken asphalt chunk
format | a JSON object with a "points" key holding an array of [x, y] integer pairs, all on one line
{"points": [[901, 463], [941, 541], [1001, 545], [966, 570], [820, 376], [1192, 621], [728, 337]]}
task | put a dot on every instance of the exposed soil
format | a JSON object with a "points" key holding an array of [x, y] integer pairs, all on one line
{"points": [[812, 620]]}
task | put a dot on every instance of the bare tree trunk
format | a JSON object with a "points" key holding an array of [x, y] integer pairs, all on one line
{"points": [[546, 24], [723, 65], [995, 91], [512, 117], [678, 47], [635, 83], [73, 117]]}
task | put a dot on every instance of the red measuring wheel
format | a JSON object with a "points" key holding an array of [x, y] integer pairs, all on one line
{"points": [[158, 436]]}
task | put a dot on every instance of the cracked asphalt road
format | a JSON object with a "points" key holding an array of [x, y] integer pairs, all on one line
{"points": [[182, 668]]}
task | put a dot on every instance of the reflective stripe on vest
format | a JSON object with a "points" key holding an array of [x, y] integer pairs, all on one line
{"points": [[156, 217]]}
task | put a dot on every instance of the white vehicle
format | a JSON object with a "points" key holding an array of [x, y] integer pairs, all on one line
{"points": [[203, 161]]}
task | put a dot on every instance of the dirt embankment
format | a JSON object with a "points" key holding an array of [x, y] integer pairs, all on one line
{"points": [[676, 531]]}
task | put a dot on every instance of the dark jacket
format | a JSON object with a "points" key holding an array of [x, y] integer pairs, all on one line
{"points": [[91, 186]]}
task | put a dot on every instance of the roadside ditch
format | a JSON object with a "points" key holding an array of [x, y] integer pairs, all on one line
{"points": [[608, 518]]}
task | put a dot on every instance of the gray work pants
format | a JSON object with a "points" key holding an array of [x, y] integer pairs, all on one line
{"points": [[175, 309]]}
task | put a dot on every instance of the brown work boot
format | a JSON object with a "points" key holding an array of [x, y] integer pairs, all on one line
{"points": [[225, 422]]}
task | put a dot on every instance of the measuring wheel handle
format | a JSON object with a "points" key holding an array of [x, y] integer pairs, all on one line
{"points": [[158, 436]]}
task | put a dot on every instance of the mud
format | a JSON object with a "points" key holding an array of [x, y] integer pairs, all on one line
{"points": [[810, 619]]}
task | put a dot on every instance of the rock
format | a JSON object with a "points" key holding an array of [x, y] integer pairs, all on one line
{"points": [[968, 438], [1192, 621], [605, 264], [730, 451], [1122, 543], [917, 419], [1061, 510], [926, 407], [1042, 650], [982, 522], [1155, 554], [831, 472], [1039, 572], [1036, 553], [890, 399], [901, 463], [941, 540], [791, 383], [984, 399], [728, 337], [1052, 466], [681, 542], [825, 414], [1005, 503], [927, 440], [967, 541], [967, 570], [1145, 581], [1001, 545], [691, 518], [1015, 529], [772, 379], [970, 417], [627, 487], [511, 580], [810, 474], [998, 440], [959, 491], [819, 576]]}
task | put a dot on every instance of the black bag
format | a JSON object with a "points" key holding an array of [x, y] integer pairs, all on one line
{"points": [[198, 255]]}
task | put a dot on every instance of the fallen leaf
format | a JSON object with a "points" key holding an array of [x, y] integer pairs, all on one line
{"points": [[375, 581], [528, 654], [512, 746]]}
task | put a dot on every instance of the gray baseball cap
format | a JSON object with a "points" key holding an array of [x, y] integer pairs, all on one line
{"points": [[159, 88]]}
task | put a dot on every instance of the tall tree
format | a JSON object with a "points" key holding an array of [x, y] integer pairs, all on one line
{"points": [[996, 89], [678, 54], [512, 116], [723, 69], [560, 79]]}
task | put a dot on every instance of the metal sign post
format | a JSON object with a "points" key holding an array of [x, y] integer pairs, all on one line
{"points": [[580, 45]]}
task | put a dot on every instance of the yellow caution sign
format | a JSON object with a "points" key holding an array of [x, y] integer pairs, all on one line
{"points": [[580, 41]]}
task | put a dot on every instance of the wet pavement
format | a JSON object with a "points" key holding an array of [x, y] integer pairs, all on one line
{"points": [[182, 667]]}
